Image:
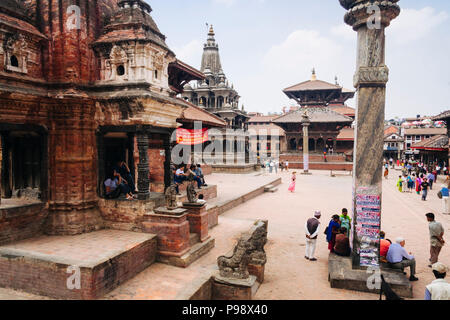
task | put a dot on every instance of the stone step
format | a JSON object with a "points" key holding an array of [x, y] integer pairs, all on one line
{"points": [[196, 251], [270, 188], [103, 260]]}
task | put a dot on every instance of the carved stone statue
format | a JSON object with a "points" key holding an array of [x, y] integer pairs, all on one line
{"points": [[236, 266], [171, 197], [250, 249], [258, 240], [191, 193]]}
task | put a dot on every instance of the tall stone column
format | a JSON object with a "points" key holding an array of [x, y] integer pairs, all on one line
{"points": [[305, 123], [369, 19], [143, 167]]}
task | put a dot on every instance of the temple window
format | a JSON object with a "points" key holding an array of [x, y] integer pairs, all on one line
{"points": [[14, 61], [16, 50], [120, 70]]}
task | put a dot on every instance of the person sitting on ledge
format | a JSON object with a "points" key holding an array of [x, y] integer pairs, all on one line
{"points": [[384, 246], [115, 186], [342, 245], [191, 174], [400, 259], [124, 171], [201, 199], [179, 178], [199, 172]]}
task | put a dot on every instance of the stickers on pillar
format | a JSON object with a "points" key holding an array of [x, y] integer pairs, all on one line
{"points": [[368, 222]]}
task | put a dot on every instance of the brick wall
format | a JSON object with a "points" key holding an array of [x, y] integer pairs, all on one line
{"points": [[156, 158], [22, 222]]}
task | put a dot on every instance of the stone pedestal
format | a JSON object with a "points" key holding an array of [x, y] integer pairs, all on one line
{"points": [[172, 229], [234, 289], [198, 220], [258, 271]]}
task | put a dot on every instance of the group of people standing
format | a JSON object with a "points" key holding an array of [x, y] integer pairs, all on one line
{"points": [[337, 234]]}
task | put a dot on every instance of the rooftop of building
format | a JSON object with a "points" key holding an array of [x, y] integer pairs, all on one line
{"points": [[316, 115], [193, 113], [436, 143], [426, 131]]}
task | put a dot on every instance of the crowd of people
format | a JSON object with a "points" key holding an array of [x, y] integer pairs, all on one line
{"points": [[393, 254], [421, 179]]}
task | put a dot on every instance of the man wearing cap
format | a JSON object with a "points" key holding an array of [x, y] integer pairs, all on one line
{"points": [[312, 231], [436, 238], [400, 259], [439, 289]]}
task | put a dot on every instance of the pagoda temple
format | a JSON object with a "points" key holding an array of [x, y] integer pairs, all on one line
{"points": [[318, 98]]}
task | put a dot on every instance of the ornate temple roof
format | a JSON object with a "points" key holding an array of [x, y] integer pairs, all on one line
{"points": [[14, 14], [316, 115], [132, 21], [316, 92], [211, 57]]}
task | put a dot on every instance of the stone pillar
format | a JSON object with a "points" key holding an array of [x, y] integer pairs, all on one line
{"points": [[143, 167], [305, 123], [168, 174], [369, 20]]}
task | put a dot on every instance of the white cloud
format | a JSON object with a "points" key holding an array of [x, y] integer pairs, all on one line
{"points": [[191, 53], [413, 25]]}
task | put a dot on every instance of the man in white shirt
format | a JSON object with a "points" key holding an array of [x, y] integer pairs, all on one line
{"points": [[439, 289], [312, 231]]}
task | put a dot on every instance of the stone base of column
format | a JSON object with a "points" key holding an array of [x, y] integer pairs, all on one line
{"points": [[341, 275], [172, 229], [306, 173], [198, 220], [258, 271], [73, 222], [234, 289]]}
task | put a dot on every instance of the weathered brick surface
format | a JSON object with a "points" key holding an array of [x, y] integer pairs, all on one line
{"points": [[213, 217], [172, 232], [347, 166], [22, 222], [198, 221], [26, 270], [156, 158]]}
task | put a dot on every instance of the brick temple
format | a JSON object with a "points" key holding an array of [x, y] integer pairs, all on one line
{"points": [[83, 85]]}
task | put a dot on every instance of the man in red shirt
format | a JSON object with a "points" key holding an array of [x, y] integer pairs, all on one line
{"points": [[384, 246]]}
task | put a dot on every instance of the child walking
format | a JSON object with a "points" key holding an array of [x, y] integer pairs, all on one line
{"points": [[293, 180]]}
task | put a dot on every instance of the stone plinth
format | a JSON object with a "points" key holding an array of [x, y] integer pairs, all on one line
{"points": [[234, 289], [258, 271], [103, 260], [172, 229], [342, 276], [198, 219]]}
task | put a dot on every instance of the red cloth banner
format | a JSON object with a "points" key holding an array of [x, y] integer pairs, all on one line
{"points": [[189, 137]]}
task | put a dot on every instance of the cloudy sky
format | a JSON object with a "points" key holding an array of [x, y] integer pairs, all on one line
{"points": [[268, 45]]}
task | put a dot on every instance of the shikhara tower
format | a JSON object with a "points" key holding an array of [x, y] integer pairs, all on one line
{"points": [[215, 93]]}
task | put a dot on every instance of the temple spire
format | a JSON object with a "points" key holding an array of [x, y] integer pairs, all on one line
{"points": [[313, 76]]}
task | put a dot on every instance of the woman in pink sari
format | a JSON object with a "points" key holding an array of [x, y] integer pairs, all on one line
{"points": [[292, 185]]}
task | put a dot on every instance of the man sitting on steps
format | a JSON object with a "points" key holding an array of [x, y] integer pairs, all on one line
{"points": [[400, 259]]}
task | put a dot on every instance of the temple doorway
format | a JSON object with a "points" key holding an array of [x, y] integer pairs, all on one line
{"points": [[293, 144], [320, 145], [312, 145]]}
